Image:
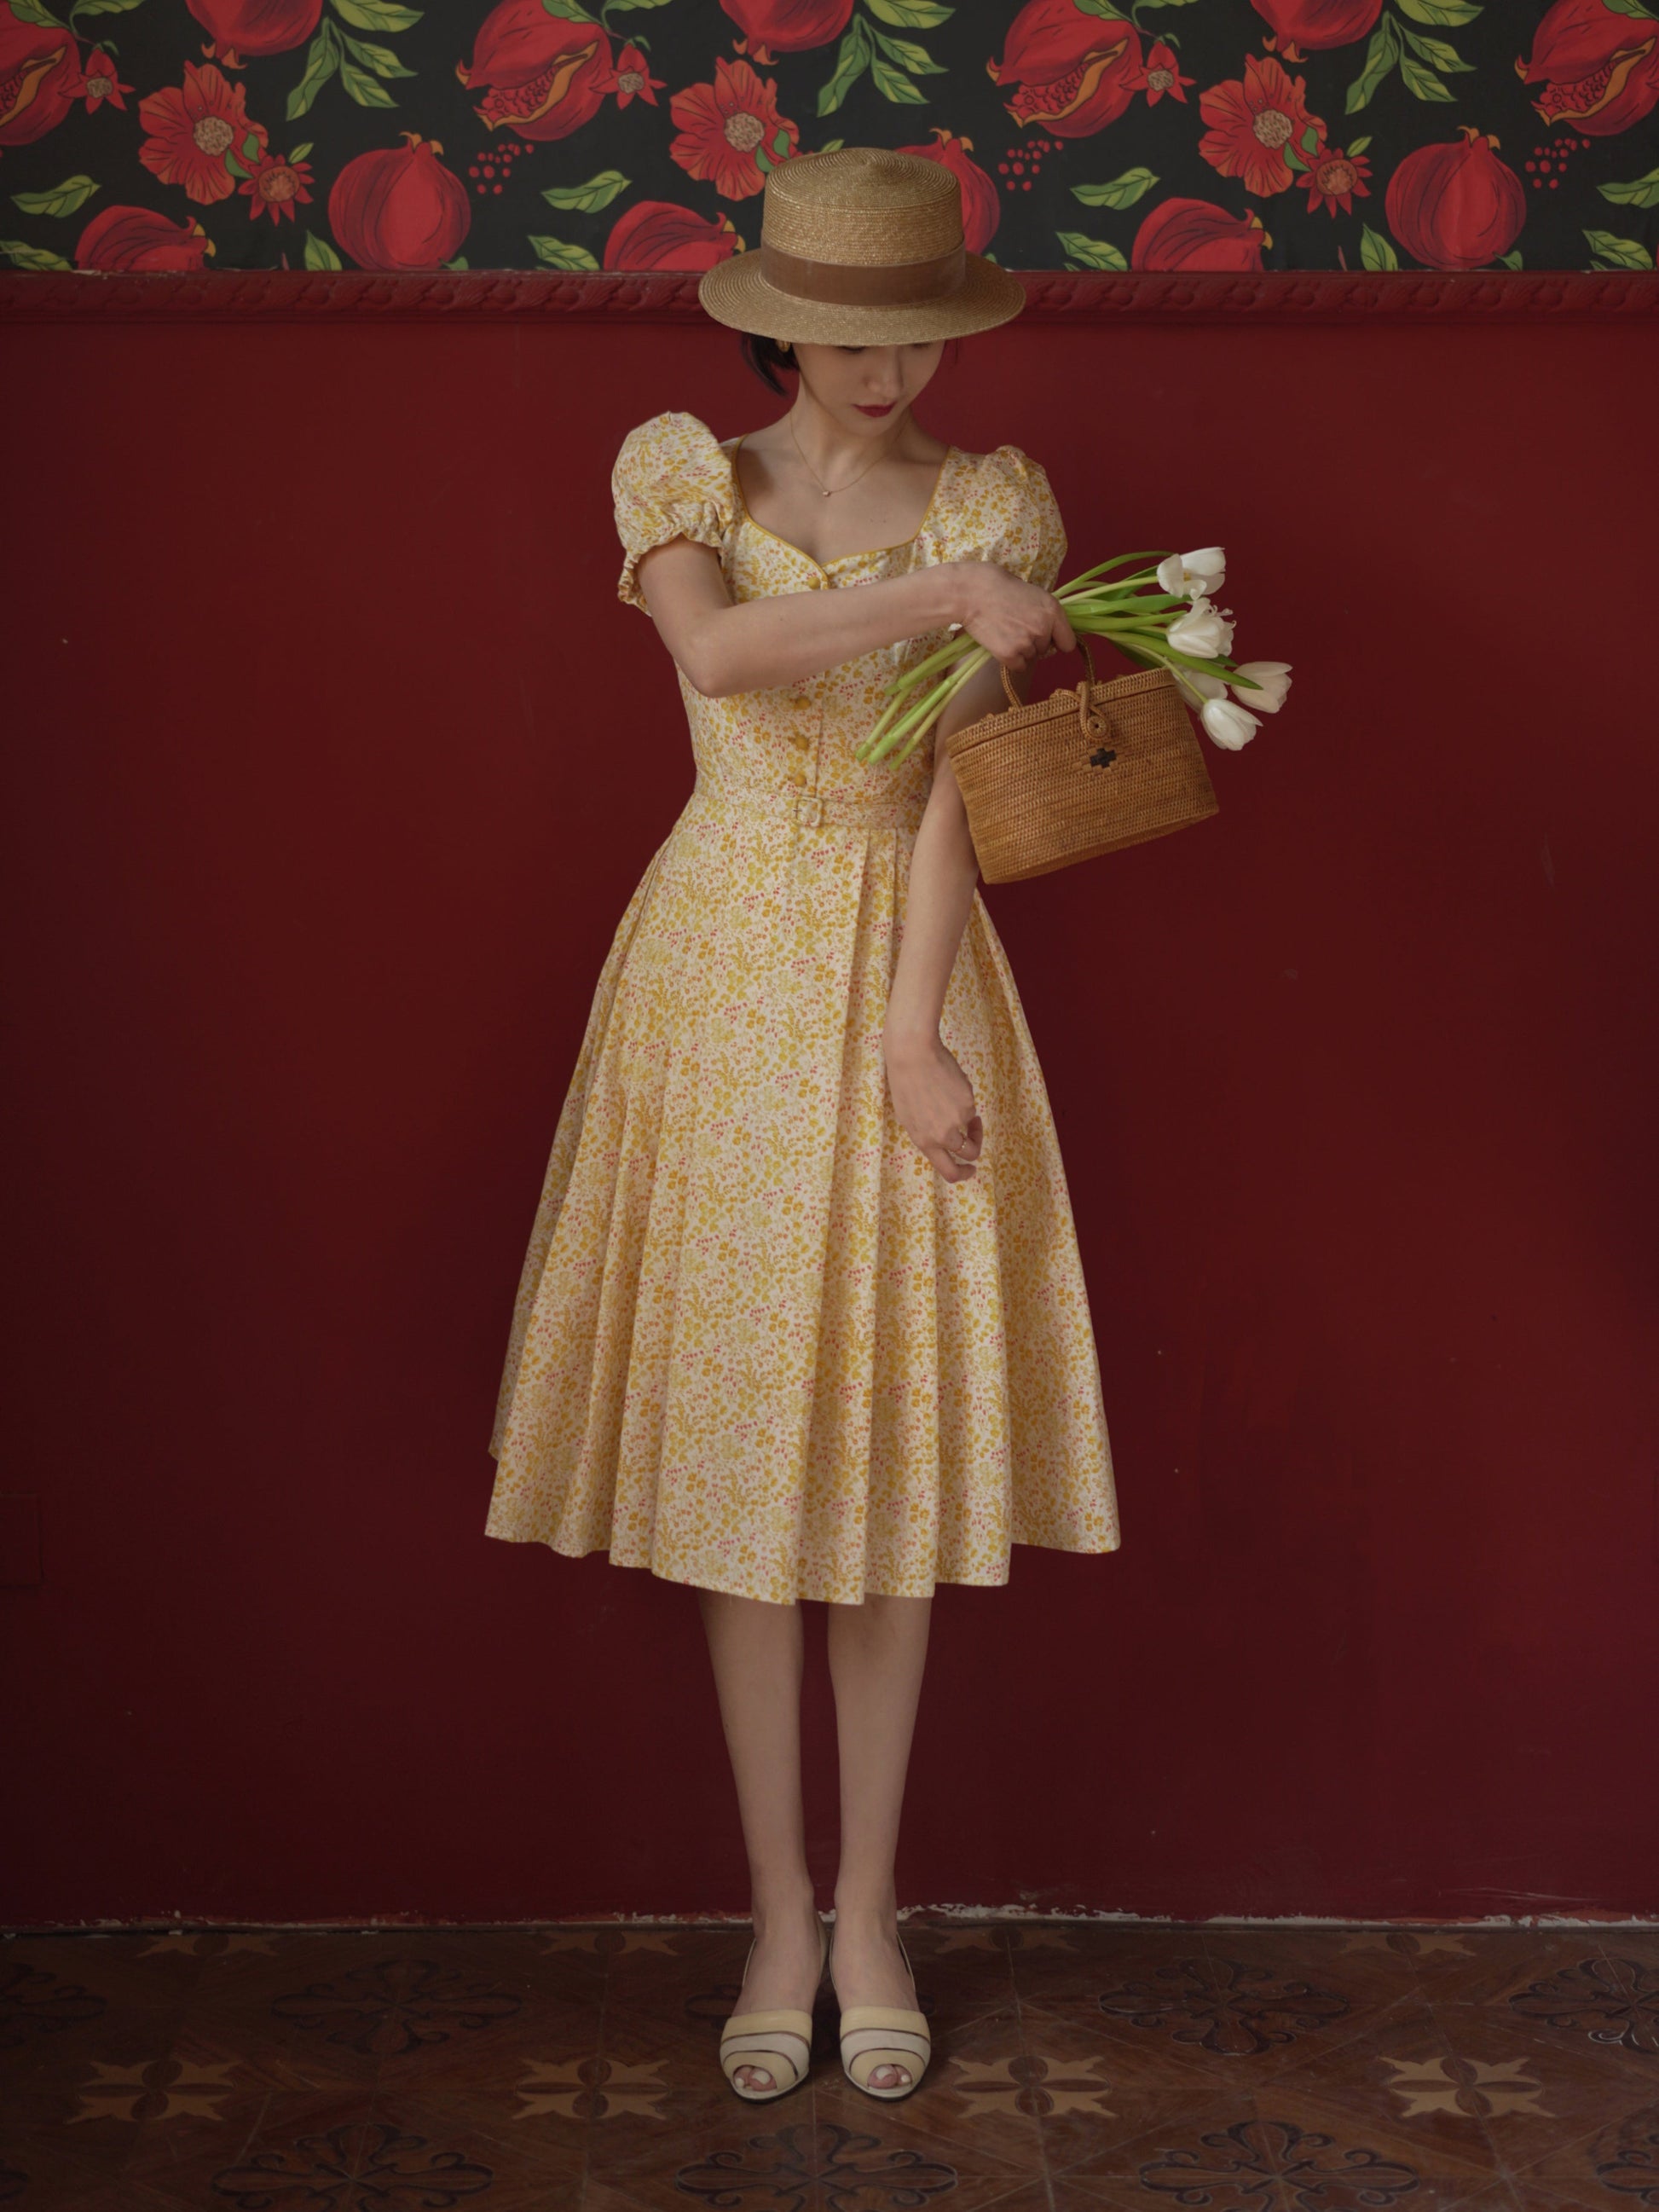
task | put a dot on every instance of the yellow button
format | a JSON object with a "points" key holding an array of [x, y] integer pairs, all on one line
{"points": [[801, 699], [797, 772]]}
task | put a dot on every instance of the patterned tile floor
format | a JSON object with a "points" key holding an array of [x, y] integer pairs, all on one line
{"points": [[1077, 2066]]}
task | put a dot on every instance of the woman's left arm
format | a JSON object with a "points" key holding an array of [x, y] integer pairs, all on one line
{"points": [[932, 1096]]}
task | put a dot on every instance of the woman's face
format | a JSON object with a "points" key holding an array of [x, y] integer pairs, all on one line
{"points": [[846, 381]]}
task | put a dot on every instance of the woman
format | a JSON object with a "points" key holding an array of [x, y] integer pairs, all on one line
{"points": [[803, 1316]]}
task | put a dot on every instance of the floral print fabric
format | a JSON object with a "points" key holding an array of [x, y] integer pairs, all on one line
{"points": [[759, 1345]]}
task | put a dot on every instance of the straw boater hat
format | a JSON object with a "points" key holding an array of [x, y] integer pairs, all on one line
{"points": [[862, 245]]}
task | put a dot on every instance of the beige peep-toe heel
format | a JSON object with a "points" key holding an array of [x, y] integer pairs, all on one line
{"points": [[780, 2040], [873, 2036]]}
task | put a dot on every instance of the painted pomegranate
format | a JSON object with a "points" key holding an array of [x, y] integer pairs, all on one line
{"points": [[1456, 205], [544, 74], [1310, 25], [1599, 66], [657, 235], [399, 209], [137, 238], [1181, 234], [241, 28], [40, 76], [771, 28], [981, 211], [1076, 72]]}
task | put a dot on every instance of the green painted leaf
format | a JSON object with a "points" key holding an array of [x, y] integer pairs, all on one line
{"points": [[1424, 82], [457, 263], [600, 189], [34, 11], [908, 15], [558, 253], [367, 91], [1640, 191], [851, 59], [1103, 8], [380, 59], [1357, 145], [1293, 158], [832, 145], [1614, 252], [30, 257], [1375, 249], [1085, 252], [1119, 192], [322, 59], [893, 84], [1445, 14], [62, 199], [319, 254], [1512, 260], [1631, 8], [300, 152], [377, 15], [1437, 52], [102, 8], [1380, 57], [907, 55], [568, 11]]}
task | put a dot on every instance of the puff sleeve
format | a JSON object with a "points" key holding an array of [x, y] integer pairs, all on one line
{"points": [[1015, 520], [671, 478]]}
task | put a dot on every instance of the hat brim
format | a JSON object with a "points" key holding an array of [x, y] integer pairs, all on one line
{"points": [[736, 292]]}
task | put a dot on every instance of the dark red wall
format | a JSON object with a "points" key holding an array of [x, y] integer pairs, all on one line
{"points": [[334, 760]]}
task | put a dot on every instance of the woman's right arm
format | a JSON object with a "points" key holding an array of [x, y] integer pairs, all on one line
{"points": [[784, 637]]}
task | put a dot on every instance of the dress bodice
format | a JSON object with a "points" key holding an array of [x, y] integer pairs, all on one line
{"points": [[672, 477]]}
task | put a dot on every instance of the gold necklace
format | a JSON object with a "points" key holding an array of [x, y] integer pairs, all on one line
{"points": [[827, 489]]}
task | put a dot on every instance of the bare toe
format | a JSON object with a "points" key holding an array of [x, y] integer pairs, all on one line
{"points": [[758, 2078]]}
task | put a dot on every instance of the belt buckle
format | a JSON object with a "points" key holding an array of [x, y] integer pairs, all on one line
{"points": [[809, 809]]}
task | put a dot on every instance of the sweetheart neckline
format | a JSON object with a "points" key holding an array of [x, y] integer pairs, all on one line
{"points": [[868, 553]]}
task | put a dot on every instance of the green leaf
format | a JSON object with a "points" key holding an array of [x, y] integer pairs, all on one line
{"points": [[1511, 260], [851, 59], [1631, 8], [832, 145], [1375, 250], [380, 59], [1121, 193], [908, 55], [1085, 252], [1445, 14], [1436, 52], [893, 84], [1423, 81], [600, 189], [319, 254], [1380, 57], [1614, 252], [1640, 191], [377, 15], [30, 257], [300, 152], [102, 8], [568, 11], [1293, 157], [1357, 145], [1105, 9], [367, 91], [557, 253], [457, 263], [62, 199], [34, 11], [322, 59], [908, 15]]}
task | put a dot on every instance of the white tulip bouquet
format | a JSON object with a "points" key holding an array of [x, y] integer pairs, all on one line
{"points": [[1160, 614]]}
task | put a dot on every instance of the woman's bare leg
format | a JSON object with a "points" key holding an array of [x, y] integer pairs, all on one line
{"points": [[758, 1653], [878, 1652]]}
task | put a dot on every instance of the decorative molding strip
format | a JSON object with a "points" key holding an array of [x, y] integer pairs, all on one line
{"points": [[1053, 295]]}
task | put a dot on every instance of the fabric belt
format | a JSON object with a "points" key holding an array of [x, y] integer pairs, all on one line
{"points": [[854, 808]]}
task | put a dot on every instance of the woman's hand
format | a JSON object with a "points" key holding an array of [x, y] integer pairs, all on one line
{"points": [[935, 1102], [1014, 621]]}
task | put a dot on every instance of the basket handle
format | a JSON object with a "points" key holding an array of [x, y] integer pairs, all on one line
{"points": [[1081, 636]]}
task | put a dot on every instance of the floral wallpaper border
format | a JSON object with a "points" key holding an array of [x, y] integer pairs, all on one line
{"points": [[1159, 137]]}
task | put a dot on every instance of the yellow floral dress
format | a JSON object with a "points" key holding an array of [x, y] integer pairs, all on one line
{"points": [[760, 1345]]}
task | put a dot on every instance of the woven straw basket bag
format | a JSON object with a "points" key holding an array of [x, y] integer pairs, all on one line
{"points": [[1081, 772]]}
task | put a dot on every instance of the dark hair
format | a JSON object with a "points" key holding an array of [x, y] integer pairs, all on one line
{"points": [[766, 357]]}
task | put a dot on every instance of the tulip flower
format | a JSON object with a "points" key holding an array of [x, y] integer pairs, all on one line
{"points": [[1193, 575], [1230, 726], [1265, 685]]}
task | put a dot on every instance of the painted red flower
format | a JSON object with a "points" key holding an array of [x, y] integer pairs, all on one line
{"points": [[1161, 78], [771, 28], [193, 131], [731, 132], [100, 83], [1456, 205], [1075, 72], [1307, 27], [122, 237], [631, 79], [1181, 233], [40, 72], [274, 185], [543, 76], [657, 234], [1335, 178], [1251, 123], [1598, 64], [981, 209]]}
